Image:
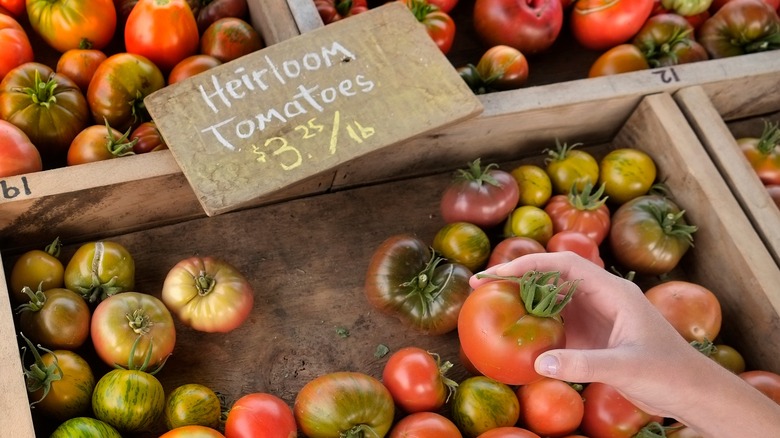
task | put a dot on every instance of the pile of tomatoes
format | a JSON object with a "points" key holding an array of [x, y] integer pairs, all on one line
{"points": [[54, 115]]}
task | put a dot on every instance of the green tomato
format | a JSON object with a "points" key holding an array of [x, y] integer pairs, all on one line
{"points": [[100, 269], [130, 400], [529, 221], [481, 404], [464, 243], [85, 427], [192, 404], [626, 174], [37, 268], [567, 166]]}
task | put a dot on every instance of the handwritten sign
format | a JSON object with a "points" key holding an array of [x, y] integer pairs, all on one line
{"points": [[293, 110]]}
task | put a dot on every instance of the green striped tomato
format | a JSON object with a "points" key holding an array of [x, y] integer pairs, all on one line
{"points": [[192, 404], [85, 427], [481, 404], [129, 400]]}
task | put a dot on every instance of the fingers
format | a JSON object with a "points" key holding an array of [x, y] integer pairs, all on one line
{"points": [[579, 366]]}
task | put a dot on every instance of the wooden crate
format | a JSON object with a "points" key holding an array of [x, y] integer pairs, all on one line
{"points": [[307, 259], [721, 116]]}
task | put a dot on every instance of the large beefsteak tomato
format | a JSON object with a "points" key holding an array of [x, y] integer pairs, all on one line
{"points": [[529, 26], [73, 24]]}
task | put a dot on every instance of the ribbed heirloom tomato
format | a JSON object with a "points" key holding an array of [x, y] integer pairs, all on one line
{"points": [[740, 27], [583, 211], [73, 24]]}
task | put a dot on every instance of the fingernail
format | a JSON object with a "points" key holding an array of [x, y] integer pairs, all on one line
{"points": [[548, 365]]}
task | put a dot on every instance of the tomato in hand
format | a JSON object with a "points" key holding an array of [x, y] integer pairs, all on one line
{"points": [[425, 425], [464, 243], [500, 68], [765, 381], [608, 414], [163, 32], [439, 25], [208, 294], [36, 269], [80, 65], [535, 184], [98, 143], [622, 58], [529, 221], [407, 280], [73, 24], [481, 195], [417, 380], [550, 407], [481, 404], [626, 173], [762, 153], [190, 66], [741, 27], [344, 403], [604, 24], [529, 26], [506, 323], [335, 10], [569, 167], [57, 318], [16, 46], [692, 309], [513, 247], [192, 404], [100, 269], [581, 211], [147, 138], [260, 414], [577, 242], [230, 38]]}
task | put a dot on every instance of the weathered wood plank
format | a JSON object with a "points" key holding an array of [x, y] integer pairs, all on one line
{"points": [[273, 19]]}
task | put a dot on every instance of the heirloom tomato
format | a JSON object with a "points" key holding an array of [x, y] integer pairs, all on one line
{"points": [[439, 25], [692, 309], [407, 280], [667, 39], [190, 66], [529, 26], [649, 234], [529, 221], [481, 404], [508, 432], [57, 318], [417, 380], [98, 143], [208, 294], [577, 242], [765, 381], [147, 138], [14, 7], [464, 243], [622, 58], [610, 415], [335, 10], [342, 404], [741, 27], [80, 65], [100, 269], [425, 425], [60, 382], [17, 49], [47, 106], [73, 24], [535, 185], [131, 400], [513, 247], [192, 431], [213, 10], [506, 323], [130, 326], [581, 211], [501, 67], [37, 269], [763, 153], [626, 173], [117, 90], [192, 404], [481, 195], [568, 166], [550, 407], [230, 38], [260, 414], [717, 4], [85, 427], [686, 8], [603, 24], [725, 355], [165, 32]]}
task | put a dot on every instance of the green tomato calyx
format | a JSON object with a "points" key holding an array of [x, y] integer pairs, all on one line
{"points": [[770, 138], [706, 347], [54, 248], [360, 431], [119, 147], [424, 288], [560, 152], [444, 368], [587, 200], [479, 174], [204, 283], [542, 293], [39, 376], [42, 92], [37, 300], [672, 223]]}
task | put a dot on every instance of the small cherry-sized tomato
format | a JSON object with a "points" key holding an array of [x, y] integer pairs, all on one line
{"points": [[626, 173], [622, 58], [692, 309], [230, 38], [765, 381], [80, 65], [35, 269], [147, 138], [762, 153], [481, 404], [100, 269], [16, 46], [535, 185], [481, 195], [260, 414], [581, 211], [513, 247], [550, 407], [98, 143], [439, 25], [208, 294], [417, 380], [190, 66], [725, 355], [165, 32], [425, 425], [192, 404], [608, 414], [464, 243], [503, 67], [529, 221], [192, 431], [508, 432], [568, 166], [57, 318], [577, 242]]}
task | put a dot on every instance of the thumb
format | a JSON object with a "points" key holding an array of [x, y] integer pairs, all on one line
{"points": [[580, 366]]}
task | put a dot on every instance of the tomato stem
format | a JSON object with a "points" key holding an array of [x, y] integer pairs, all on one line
{"points": [[39, 376], [479, 174], [706, 347], [540, 291], [37, 300], [422, 286], [42, 93], [673, 224], [54, 248], [560, 152], [585, 200], [770, 138]]}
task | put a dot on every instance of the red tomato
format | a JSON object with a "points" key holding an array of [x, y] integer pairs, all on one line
{"points": [[508, 432], [73, 24], [335, 10], [444, 5], [163, 32], [550, 407], [512, 248], [500, 68], [765, 381], [439, 25], [15, 7], [147, 138], [692, 309], [192, 65], [502, 326], [425, 425], [581, 211], [575, 241], [17, 154], [230, 38], [80, 65], [416, 380], [98, 143], [622, 58], [192, 431], [481, 195], [260, 414], [529, 26], [603, 24], [608, 414], [762, 153], [16, 46]]}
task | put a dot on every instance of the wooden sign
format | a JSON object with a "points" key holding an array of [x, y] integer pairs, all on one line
{"points": [[301, 107]]}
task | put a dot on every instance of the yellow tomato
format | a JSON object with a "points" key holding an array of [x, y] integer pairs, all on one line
{"points": [[464, 243], [534, 183], [626, 173], [529, 221]]}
